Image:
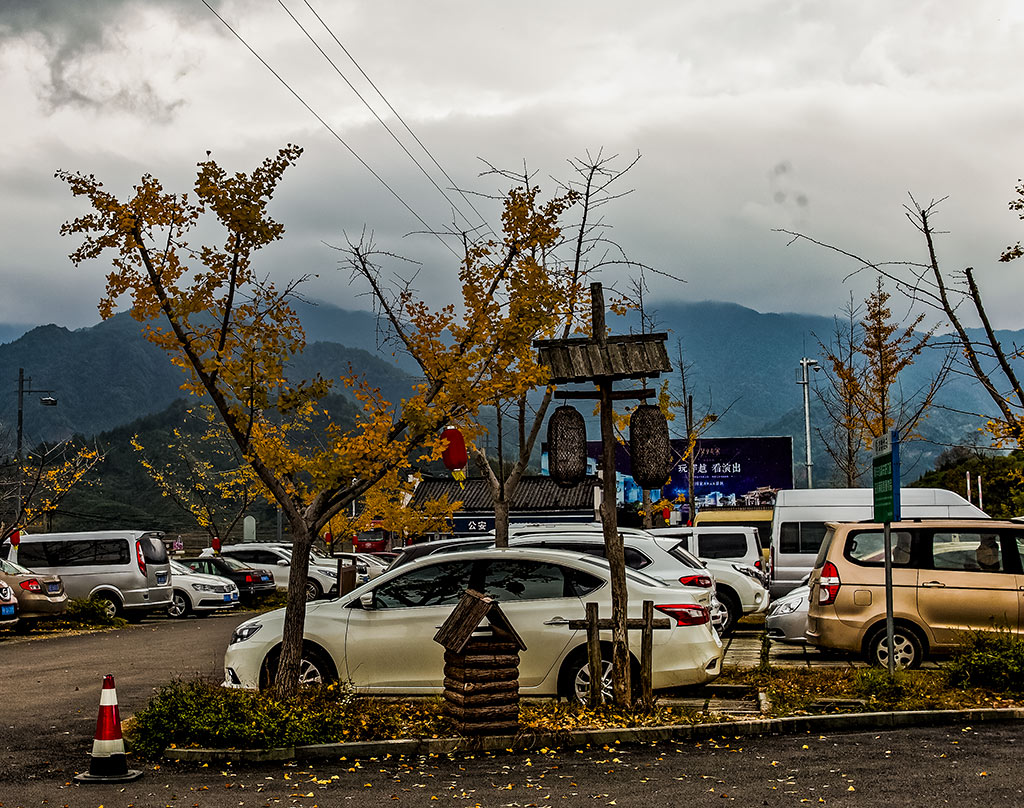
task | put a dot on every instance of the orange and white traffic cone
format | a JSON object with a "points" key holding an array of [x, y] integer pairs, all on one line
{"points": [[108, 763]]}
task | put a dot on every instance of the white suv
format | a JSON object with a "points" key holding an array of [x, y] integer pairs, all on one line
{"points": [[321, 581]]}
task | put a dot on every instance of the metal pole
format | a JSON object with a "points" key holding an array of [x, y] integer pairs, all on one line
{"points": [[21, 408], [806, 363], [887, 538]]}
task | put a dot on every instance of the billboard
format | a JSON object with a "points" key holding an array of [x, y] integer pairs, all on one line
{"points": [[727, 471]]}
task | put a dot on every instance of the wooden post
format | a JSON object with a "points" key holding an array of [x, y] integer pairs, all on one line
{"points": [[594, 655], [647, 656]]}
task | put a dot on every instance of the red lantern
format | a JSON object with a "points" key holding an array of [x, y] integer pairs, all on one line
{"points": [[455, 455], [328, 538], [15, 538], [216, 544]]}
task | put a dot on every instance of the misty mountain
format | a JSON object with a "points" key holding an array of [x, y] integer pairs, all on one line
{"points": [[741, 364]]}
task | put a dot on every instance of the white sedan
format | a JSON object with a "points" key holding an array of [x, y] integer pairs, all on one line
{"points": [[380, 636], [197, 593]]}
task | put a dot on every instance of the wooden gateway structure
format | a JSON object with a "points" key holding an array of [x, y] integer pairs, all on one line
{"points": [[481, 667]]}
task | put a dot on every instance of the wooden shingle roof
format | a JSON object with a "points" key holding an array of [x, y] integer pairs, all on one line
{"points": [[582, 359], [534, 493]]}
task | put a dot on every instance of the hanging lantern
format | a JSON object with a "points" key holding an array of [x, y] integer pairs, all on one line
{"points": [[455, 456], [567, 446], [649, 449]]}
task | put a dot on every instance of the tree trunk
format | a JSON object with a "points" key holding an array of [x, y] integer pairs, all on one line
{"points": [[287, 681], [500, 523], [647, 523]]}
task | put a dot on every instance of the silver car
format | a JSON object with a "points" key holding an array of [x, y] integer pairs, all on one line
{"points": [[786, 620]]}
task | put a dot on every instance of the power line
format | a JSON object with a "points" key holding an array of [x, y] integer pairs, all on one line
{"points": [[328, 127], [398, 116], [380, 120]]}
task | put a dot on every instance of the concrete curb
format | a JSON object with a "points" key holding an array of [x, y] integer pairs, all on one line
{"points": [[528, 741]]}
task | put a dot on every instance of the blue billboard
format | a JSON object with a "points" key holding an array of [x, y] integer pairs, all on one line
{"points": [[727, 471]]}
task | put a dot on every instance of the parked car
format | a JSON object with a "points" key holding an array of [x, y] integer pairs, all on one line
{"points": [[8, 607], [251, 582], [126, 570], [320, 580], [948, 576], [786, 619], [380, 636], [456, 544], [368, 565], [740, 544], [801, 517], [38, 595], [199, 593]]}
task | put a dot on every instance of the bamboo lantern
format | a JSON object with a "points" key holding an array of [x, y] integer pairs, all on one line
{"points": [[567, 446], [649, 448]]}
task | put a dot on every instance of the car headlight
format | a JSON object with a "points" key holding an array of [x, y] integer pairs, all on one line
{"points": [[203, 588], [787, 606], [244, 632], [329, 573]]}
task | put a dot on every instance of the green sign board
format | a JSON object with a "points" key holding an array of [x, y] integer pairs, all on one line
{"points": [[885, 478]]}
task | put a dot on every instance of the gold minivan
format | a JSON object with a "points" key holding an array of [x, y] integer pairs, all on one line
{"points": [[948, 576]]}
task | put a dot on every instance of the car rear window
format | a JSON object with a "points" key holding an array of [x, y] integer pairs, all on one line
{"points": [[721, 545], [153, 550]]}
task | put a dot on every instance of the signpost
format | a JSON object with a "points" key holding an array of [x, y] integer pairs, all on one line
{"points": [[885, 483]]}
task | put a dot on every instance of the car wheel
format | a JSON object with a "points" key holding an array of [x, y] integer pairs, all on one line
{"points": [[733, 612], [574, 680], [314, 668], [180, 605], [908, 651], [313, 590], [109, 605]]}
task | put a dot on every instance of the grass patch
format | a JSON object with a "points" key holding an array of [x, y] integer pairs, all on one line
{"points": [[80, 614]]}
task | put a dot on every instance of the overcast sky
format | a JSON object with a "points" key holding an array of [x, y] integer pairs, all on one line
{"points": [[749, 116]]}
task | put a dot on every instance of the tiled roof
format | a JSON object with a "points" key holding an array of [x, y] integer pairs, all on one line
{"points": [[537, 493]]}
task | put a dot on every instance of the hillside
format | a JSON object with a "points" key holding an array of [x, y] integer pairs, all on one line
{"points": [[743, 364]]}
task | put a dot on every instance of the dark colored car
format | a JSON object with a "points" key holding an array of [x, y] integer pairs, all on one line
{"points": [[251, 582], [412, 552]]}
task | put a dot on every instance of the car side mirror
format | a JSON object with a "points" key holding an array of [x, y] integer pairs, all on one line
{"points": [[366, 599]]}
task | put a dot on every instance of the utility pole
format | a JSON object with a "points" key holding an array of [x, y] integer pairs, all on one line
{"points": [[805, 364]]}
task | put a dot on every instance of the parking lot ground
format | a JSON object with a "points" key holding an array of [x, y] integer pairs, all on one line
{"points": [[743, 650]]}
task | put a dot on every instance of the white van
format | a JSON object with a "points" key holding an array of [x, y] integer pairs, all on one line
{"points": [[798, 525], [126, 569]]}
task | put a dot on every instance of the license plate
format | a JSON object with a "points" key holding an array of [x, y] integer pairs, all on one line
{"points": [[234, 596], [7, 611], [161, 578], [53, 589], [227, 598], [265, 578]]}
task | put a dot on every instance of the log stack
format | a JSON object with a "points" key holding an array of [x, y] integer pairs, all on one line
{"points": [[481, 667]]}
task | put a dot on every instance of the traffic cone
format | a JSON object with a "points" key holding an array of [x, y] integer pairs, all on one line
{"points": [[108, 763]]}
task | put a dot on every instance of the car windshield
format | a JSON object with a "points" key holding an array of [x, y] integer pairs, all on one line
{"points": [[179, 569], [689, 559], [234, 563]]}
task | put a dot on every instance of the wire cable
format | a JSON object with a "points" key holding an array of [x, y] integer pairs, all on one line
{"points": [[328, 127], [380, 120], [399, 117]]}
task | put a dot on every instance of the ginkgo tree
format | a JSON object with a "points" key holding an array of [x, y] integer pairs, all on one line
{"points": [[231, 330]]}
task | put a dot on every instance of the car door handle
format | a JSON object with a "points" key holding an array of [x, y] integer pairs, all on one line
{"points": [[556, 621], [934, 584]]}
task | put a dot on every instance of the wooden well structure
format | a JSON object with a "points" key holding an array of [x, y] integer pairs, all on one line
{"points": [[481, 667]]}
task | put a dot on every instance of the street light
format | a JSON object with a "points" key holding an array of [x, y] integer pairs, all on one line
{"points": [[806, 363], [46, 401]]}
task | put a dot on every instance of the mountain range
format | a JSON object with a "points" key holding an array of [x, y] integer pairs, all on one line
{"points": [[741, 364]]}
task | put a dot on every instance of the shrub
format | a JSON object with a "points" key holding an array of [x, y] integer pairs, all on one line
{"points": [[81, 614], [198, 713], [877, 687], [989, 659]]}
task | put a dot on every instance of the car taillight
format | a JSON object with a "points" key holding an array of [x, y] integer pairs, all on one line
{"points": [[686, 614], [828, 584], [31, 585], [696, 580], [248, 578], [140, 558], [758, 563]]}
